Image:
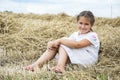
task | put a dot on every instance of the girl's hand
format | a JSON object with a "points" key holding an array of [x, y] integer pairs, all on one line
{"points": [[49, 45], [53, 45], [56, 43]]}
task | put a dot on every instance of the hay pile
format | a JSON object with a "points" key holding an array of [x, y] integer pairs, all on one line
{"points": [[23, 38]]}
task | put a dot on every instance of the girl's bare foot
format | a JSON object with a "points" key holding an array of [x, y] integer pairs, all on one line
{"points": [[30, 68], [58, 69]]}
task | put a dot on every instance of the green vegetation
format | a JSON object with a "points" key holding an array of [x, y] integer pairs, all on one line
{"points": [[23, 38]]}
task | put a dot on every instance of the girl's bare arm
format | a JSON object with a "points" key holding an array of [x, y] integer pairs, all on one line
{"points": [[75, 44]]}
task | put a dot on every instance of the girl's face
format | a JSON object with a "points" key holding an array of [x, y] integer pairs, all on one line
{"points": [[84, 25]]}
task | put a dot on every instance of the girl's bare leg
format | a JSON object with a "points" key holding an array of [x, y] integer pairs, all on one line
{"points": [[63, 59], [47, 55]]}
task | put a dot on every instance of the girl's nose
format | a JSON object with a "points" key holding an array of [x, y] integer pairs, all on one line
{"points": [[82, 25]]}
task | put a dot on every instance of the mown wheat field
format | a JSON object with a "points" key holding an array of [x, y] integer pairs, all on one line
{"points": [[23, 38]]}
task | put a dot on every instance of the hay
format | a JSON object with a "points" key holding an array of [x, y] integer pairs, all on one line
{"points": [[23, 38]]}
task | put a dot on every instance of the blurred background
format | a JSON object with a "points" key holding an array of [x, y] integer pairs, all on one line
{"points": [[101, 8]]}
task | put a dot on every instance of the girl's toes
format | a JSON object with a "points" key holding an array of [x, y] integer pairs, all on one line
{"points": [[29, 68], [59, 70]]}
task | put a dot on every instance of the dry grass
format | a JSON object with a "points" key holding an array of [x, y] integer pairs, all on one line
{"points": [[23, 38]]}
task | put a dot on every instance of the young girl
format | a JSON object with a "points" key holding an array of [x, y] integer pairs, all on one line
{"points": [[80, 48]]}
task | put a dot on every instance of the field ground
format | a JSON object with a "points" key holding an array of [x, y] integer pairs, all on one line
{"points": [[23, 38]]}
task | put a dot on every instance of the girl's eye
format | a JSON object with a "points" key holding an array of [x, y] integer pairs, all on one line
{"points": [[86, 24], [80, 23]]}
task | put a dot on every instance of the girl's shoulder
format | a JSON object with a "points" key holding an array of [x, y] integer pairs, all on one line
{"points": [[87, 34]]}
